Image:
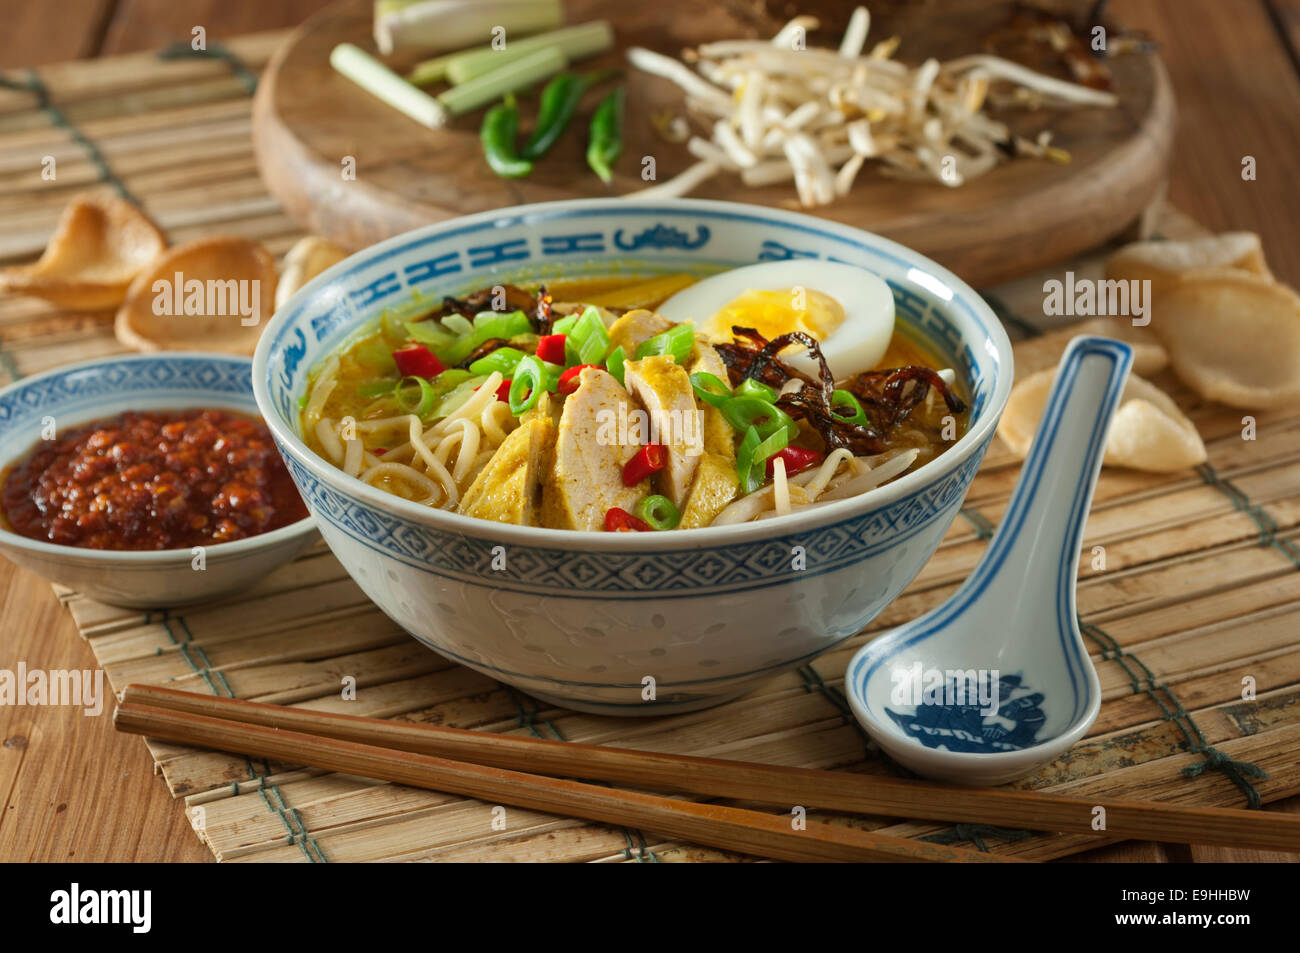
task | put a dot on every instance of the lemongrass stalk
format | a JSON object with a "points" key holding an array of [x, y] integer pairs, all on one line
{"points": [[510, 78], [436, 25], [431, 71], [575, 42], [382, 83]]}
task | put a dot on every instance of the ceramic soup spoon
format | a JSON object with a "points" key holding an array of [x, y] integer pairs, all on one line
{"points": [[997, 680]]}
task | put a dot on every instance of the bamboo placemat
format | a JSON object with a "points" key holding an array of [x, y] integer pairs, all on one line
{"points": [[1198, 597]]}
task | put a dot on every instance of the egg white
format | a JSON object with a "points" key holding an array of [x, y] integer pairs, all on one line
{"points": [[856, 345]]}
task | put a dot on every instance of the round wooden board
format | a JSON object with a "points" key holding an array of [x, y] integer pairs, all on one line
{"points": [[1022, 216]]}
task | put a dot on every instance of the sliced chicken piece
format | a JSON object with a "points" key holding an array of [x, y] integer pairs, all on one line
{"points": [[635, 328], [586, 478], [664, 390], [718, 436], [714, 487], [506, 490]]}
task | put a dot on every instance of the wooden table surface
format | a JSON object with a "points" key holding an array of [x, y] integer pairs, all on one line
{"points": [[73, 789]]}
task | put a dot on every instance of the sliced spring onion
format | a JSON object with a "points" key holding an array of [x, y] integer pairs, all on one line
{"points": [[765, 417], [659, 511], [375, 354], [503, 359], [749, 477], [677, 341], [457, 324], [842, 398], [710, 388], [614, 363], [457, 396], [587, 341], [432, 333], [752, 388], [751, 457], [418, 403], [502, 324], [527, 385], [565, 324], [486, 326], [510, 78]]}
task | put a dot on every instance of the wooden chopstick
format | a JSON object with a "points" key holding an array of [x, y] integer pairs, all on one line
{"points": [[763, 783], [749, 832]]}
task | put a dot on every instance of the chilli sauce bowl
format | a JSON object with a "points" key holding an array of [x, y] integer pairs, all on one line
{"points": [[105, 387], [629, 623]]}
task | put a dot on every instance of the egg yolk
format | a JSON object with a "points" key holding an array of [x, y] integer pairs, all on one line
{"points": [[773, 313]]}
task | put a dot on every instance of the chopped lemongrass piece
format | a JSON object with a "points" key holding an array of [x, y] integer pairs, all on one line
{"points": [[430, 71], [575, 42], [509, 78], [382, 83], [434, 25]]}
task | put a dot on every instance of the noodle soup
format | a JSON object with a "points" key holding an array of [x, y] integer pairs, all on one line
{"points": [[580, 406]]}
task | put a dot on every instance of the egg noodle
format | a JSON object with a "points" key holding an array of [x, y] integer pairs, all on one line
{"points": [[421, 469]]}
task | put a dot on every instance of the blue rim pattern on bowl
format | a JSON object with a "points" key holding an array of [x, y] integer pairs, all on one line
{"points": [[692, 572]]}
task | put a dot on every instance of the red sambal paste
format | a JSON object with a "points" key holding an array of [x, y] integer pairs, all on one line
{"points": [[148, 481]]}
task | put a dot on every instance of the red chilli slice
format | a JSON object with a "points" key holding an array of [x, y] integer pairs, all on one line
{"points": [[649, 459], [796, 460], [551, 349], [416, 360], [619, 520], [569, 379]]}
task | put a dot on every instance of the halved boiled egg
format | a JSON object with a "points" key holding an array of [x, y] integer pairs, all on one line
{"points": [[848, 311]]}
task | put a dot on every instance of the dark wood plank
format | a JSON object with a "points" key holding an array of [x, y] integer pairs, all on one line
{"points": [[1238, 95], [32, 36], [1286, 17], [151, 24]]}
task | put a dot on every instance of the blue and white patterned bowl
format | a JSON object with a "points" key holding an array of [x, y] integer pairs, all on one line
{"points": [[629, 623], [105, 387]]}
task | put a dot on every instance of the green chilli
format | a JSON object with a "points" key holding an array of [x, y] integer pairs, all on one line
{"points": [[605, 135], [555, 108], [497, 136]]}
